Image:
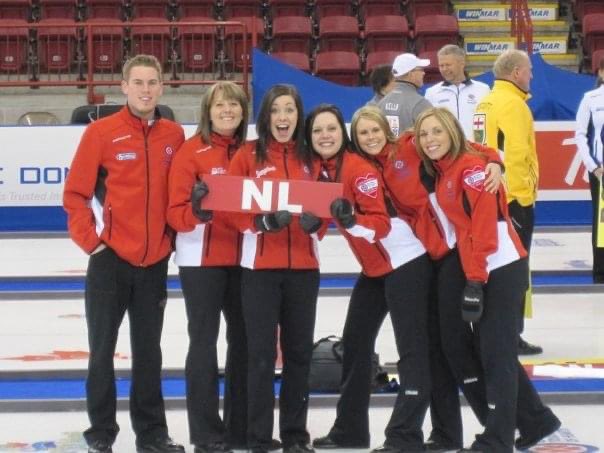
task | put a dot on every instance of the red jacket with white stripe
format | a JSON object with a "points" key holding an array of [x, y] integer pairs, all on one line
{"points": [[117, 188], [486, 238], [379, 245], [292, 247], [215, 243]]}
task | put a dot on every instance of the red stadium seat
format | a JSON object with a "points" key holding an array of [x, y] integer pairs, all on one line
{"points": [[386, 33], [596, 57], [234, 42], [432, 72], [151, 39], [58, 9], [285, 8], [339, 33], [15, 9], [157, 9], [107, 44], [593, 32], [370, 8], [56, 44], [421, 8], [196, 9], [338, 67], [291, 34], [584, 7], [242, 8], [324, 8], [104, 9], [379, 58], [433, 32], [197, 46], [297, 59], [13, 45]]}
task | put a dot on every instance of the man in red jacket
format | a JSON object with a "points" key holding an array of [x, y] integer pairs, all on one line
{"points": [[115, 198]]}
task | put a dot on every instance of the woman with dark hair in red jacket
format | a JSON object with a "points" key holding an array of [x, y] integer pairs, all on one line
{"points": [[280, 277], [395, 278]]}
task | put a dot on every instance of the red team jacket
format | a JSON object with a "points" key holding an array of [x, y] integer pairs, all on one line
{"points": [[379, 243], [216, 243], [117, 188], [486, 238], [290, 248]]}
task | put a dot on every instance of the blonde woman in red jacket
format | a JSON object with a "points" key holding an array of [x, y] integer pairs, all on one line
{"points": [[280, 277], [207, 254], [493, 261]]}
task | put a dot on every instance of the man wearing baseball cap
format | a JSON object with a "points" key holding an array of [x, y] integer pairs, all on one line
{"points": [[403, 104]]}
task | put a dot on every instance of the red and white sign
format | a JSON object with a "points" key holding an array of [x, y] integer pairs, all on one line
{"points": [[256, 195]]}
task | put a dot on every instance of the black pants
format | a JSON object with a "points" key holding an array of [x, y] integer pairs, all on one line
{"points": [[285, 298], [208, 291], [523, 219], [403, 292], [598, 253], [113, 286]]}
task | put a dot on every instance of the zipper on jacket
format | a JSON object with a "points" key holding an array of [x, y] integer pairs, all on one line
{"points": [[148, 188], [289, 238], [437, 223], [208, 239], [110, 214]]}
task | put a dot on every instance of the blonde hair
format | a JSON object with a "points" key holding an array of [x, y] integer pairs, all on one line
{"points": [[452, 128], [148, 61], [230, 91], [508, 61], [371, 113]]}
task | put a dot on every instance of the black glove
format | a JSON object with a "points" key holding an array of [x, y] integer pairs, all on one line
{"points": [[343, 212], [198, 192], [273, 222], [472, 301], [310, 223]]}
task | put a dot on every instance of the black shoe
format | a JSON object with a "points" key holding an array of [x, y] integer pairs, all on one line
{"points": [[524, 443], [100, 446], [258, 450], [386, 449], [160, 445], [525, 348], [216, 447], [469, 450], [275, 445], [300, 447], [435, 446], [328, 442]]}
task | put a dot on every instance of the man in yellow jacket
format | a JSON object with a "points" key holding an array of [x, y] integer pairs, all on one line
{"points": [[504, 121]]}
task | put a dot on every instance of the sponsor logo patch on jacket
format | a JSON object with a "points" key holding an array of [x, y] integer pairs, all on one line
{"points": [[218, 171], [126, 155], [367, 185], [264, 171], [474, 178]]}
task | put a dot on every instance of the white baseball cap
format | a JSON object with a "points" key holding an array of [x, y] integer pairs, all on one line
{"points": [[407, 62]]}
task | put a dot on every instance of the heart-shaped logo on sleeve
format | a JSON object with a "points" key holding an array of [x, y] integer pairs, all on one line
{"points": [[474, 178], [367, 185]]}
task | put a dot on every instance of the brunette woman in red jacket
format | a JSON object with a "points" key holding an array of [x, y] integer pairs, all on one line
{"points": [[207, 253], [495, 267], [395, 278], [280, 277]]}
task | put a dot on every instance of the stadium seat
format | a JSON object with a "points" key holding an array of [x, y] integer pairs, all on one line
{"points": [[107, 44], [242, 8], [433, 32], [386, 33], [157, 9], [593, 32], [16, 9], [286, 8], [234, 42], [58, 9], [56, 44], [324, 8], [104, 9], [368, 8], [38, 119], [374, 59], [584, 7], [197, 46], [432, 72], [297, 59], [422, 8], [338, 67], [86, 114], [339, 33], [151, 39], [13, 45], [196, 9], [291, 34], [596, 57]]}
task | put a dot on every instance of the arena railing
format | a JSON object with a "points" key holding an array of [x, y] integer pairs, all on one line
{"points": [[87, 55]]}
